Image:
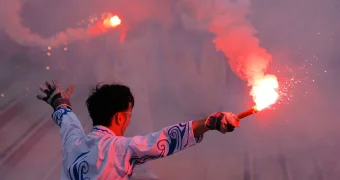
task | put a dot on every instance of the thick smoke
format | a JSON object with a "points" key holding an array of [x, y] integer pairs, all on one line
{"points": [[11, 23], [226, 19], [235, 37]]}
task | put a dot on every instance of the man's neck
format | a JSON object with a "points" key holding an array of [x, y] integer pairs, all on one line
{"points": [[117, 131]]}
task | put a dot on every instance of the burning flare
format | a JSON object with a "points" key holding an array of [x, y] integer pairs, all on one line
{"points": [[107, 23], [112, 21], [265, 91]]}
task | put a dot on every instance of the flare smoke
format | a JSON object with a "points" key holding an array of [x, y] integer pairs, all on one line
{"points": [[235, 38], [11, 23], [226, 19]]}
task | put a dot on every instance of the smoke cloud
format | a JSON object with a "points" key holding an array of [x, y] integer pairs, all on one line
{"points": [[23, 35], [235, 37]]}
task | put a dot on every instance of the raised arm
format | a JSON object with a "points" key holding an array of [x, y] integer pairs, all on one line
{"points": [[70, 127], [59, 99], [171, 139]]}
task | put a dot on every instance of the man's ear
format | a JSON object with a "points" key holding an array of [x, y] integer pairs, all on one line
{"points": [[118, 119], [115, 119]]}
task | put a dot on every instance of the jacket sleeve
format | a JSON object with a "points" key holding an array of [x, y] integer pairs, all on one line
{"points": [[70, 127], [159, 144]]}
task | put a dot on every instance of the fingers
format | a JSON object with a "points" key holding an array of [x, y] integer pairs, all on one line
{"points": [[70, 89], [53, 88], [47, 90], [43, 98], [56, 84], [230, 128], [44, 90], [40, 97], [225, 128], [229, 122], [234, 120], [49, 86], [236, 117]]}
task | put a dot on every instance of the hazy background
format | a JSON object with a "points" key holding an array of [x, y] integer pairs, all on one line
{"points": [[174, 71]]}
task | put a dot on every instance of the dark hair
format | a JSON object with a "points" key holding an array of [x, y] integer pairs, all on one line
{"points": [[106, 100]]}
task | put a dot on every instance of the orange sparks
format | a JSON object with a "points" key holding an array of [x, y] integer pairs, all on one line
{"points": [[265, 91], [113, 21]]}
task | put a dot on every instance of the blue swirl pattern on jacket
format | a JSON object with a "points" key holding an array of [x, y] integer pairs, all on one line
{"points": [[79, 168], [167, 146], [58, 115]]}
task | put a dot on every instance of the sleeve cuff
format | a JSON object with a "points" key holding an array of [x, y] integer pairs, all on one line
{"points": [[57, 116], [192, 139]]}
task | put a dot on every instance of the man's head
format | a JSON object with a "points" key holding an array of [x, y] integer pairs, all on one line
{"points": [[110, 105]]}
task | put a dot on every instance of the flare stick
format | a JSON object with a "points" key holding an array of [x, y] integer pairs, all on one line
{"points": [[248, 112]]}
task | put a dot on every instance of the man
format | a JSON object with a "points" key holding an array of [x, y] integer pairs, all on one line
{"points": [[105, 153]]}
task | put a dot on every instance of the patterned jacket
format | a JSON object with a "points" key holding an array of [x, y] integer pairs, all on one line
{"points": [[103, 155]]}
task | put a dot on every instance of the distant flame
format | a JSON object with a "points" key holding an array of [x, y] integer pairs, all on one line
{"points": [[265, 91], [112, 21]]}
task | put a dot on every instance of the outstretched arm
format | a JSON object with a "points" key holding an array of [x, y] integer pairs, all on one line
{"points": [[169, 140]]}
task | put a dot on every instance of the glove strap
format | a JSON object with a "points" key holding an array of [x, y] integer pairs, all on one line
{"points": [[61, 102]]}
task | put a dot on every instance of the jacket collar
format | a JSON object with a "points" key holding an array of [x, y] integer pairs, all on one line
{"points": [[103, 129]]}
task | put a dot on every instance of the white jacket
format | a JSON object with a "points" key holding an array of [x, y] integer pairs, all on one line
{"points": [[103, 155]]}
